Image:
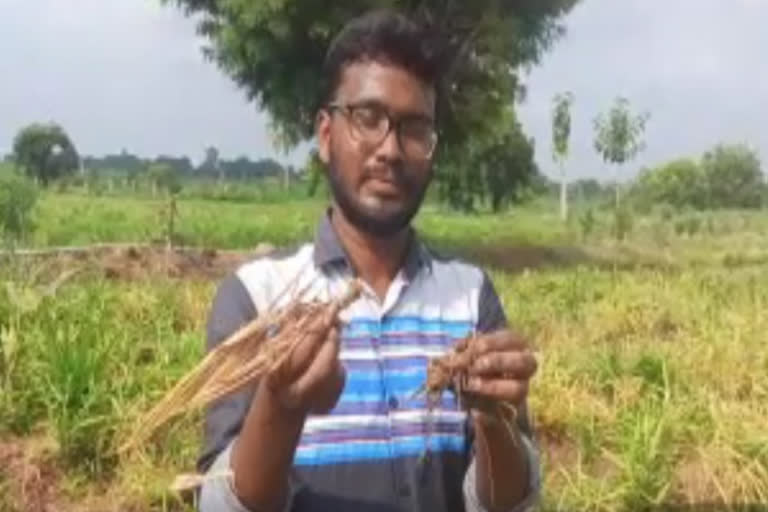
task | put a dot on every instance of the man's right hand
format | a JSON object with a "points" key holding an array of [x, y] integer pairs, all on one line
{"points": [[310, 380], [312, 377]]}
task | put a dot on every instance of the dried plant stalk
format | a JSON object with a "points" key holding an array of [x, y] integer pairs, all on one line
{"points": [[259, 348], [450, 372]]}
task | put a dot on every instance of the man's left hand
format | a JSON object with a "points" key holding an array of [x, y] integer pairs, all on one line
{"points": [[503, 367]]}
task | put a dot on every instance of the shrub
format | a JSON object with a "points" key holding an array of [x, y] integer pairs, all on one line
{"points": [[18, 196], [623, 222]]}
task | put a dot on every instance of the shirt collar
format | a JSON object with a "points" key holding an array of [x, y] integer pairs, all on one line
{"points": [[328, 250]]}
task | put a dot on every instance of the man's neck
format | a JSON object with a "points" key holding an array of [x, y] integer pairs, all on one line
{"points": [[376, 260]]}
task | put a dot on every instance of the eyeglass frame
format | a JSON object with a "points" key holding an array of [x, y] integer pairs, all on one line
{"points": [[393, 122]]}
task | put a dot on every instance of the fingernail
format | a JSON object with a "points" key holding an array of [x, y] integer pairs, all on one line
{"points": [[473, 383]]}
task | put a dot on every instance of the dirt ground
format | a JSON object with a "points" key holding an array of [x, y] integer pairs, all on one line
{"points": [[137, 262], [28, 476]]}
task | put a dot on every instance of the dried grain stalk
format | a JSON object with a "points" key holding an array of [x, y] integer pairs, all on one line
{"points": [[259, 348], [450, 373]]}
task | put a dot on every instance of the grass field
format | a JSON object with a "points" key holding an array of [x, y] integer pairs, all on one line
{"points": [[77, 219], [652, 390]]}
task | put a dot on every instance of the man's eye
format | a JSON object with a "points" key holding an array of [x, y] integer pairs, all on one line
{"points": [[417, 128], [367, 117]]}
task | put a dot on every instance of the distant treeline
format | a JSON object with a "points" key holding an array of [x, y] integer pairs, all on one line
{"points": [[241, 168]]}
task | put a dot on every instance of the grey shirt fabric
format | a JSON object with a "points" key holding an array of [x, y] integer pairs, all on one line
{"points": [[451, 477]]}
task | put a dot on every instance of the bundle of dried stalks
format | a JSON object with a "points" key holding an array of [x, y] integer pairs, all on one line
{"points": [[450, 372], [260, 348]]}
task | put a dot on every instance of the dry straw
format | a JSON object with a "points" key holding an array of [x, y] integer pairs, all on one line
{"points": [[260, 348]]}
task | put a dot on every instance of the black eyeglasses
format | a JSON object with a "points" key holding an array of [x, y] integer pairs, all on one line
{"points": [[371, 123]]}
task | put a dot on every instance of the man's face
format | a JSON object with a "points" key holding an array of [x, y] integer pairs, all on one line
{"points": [[378, 177]]}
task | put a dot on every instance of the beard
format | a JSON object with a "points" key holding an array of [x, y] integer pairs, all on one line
{"points": [[382, 222]]}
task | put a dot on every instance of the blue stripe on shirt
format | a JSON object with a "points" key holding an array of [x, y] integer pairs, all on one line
{"points": [[357, 327], [354, 451]]}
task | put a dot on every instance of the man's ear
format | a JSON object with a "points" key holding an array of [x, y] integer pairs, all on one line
{"points": [[323, 134]]}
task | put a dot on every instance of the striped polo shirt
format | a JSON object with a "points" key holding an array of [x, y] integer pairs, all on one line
{"points": [[383, 447]]}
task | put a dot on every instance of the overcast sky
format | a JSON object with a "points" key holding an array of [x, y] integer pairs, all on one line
{"points": [[129, 74]]}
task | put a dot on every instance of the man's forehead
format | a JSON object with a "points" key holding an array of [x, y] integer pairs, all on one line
{"points": [[387, 83]]}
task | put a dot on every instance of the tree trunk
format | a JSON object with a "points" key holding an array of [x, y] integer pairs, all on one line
{"points": [[563, 194]]}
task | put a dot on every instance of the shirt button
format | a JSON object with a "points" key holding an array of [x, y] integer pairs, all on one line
{"points": [[393, 403]]}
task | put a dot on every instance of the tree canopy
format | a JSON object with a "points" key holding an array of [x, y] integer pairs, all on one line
{"points": [[734, 177], [275, 50], [619, 135], [727, 176], [44, 152], [679, 183]]}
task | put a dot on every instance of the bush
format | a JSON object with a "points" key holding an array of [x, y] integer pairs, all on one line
{"points": [[623, 222], [587, 222], [690, 225], [18, 196]]}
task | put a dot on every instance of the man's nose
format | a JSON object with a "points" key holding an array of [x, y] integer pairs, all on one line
{"points": [[389, 149]]}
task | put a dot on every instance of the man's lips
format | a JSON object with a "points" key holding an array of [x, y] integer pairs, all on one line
{"points": [[383, 185]]}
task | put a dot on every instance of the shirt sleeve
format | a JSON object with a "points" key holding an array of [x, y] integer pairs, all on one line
{"points": [[217, 493], [491, 317], [231, 309]]}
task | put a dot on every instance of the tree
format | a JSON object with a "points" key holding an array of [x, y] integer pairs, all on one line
{"points": [[501, 166], [618, 136], [314, 170], [561, 134], [163, 177], [733, 176], [275, 50], [680, 183], [44, 152], [587, 189], [508, 166], [211, 164], [124, 162]]}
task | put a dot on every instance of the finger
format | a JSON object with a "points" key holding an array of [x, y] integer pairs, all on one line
{"points": [[331, 374], [306, 350], [508, 390], [497, 341], [325, 366], [327, 356], [518, 364]]}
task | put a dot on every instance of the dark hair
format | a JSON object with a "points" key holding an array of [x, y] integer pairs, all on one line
{"points": [[382, 35]]}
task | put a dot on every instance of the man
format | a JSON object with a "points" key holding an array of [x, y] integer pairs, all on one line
{"points": [[347, 430]]}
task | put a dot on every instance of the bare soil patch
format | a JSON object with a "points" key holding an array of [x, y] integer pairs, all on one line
{"points": [[29, 476], [135, 262]]}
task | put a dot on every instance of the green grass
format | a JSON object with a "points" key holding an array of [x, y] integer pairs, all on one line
{"points": [[79, 220], [83, 364], [731, 238], [71, 219], [652, 388], [658, 380]]}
